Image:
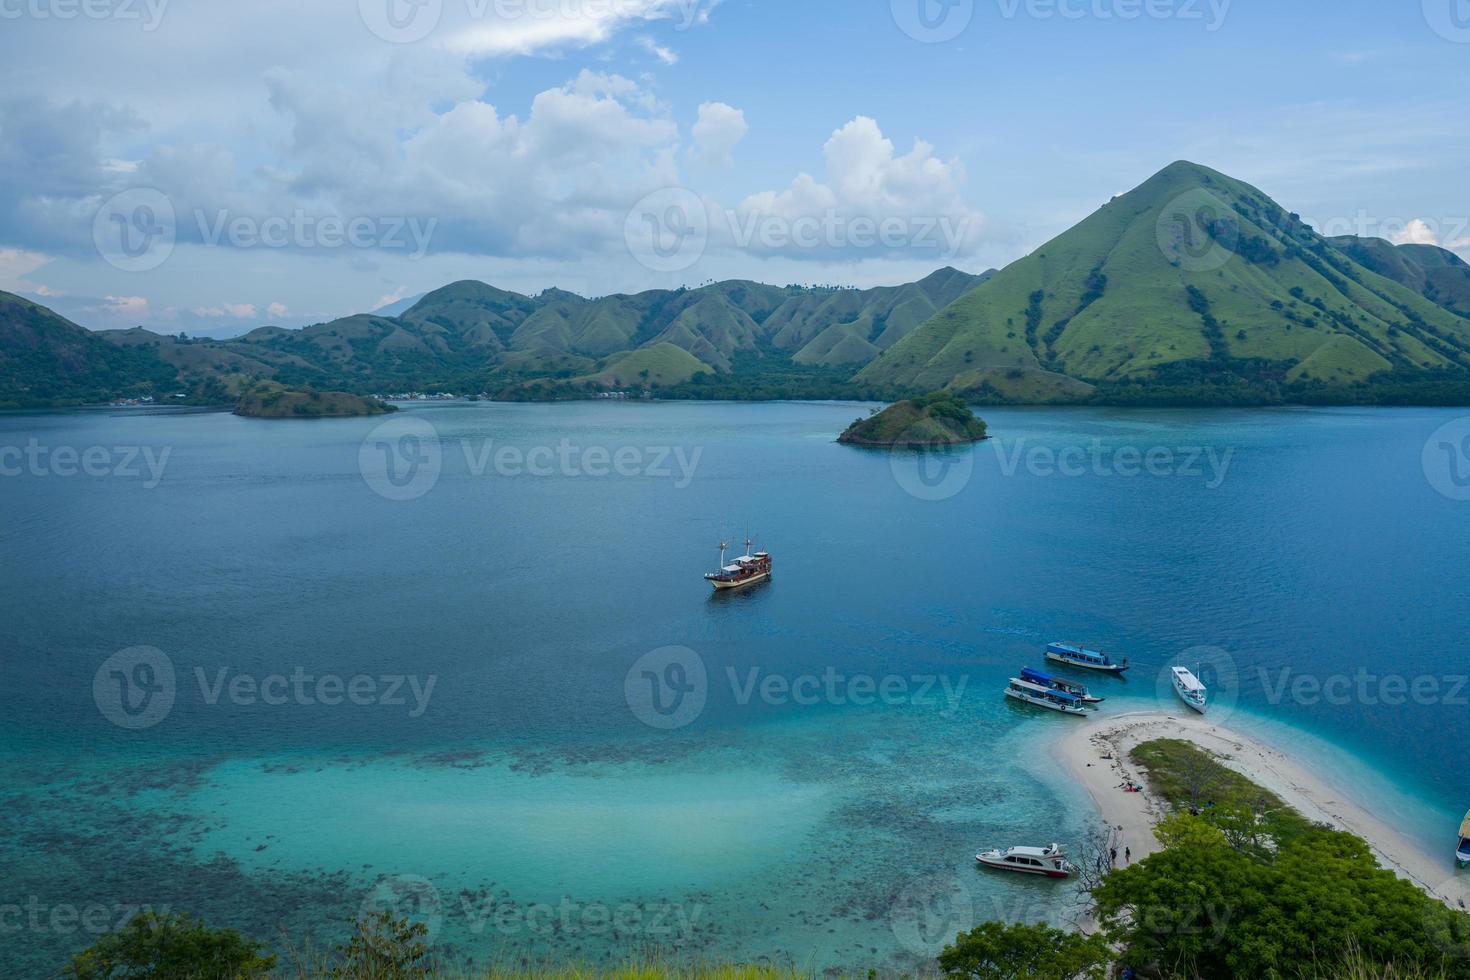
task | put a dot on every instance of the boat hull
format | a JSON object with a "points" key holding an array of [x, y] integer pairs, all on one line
{"points": [[744, 583], [1038, 872], [1100, 668], [1048, 705]]}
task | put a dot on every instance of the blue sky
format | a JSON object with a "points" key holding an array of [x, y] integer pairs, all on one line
{"points": [[280, 162]]}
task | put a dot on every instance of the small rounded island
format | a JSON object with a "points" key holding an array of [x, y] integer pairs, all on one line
{"points": [[937, 419]]}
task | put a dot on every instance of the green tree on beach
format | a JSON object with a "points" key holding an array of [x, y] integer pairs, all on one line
{"points": [[996, 951], [169, 947]]}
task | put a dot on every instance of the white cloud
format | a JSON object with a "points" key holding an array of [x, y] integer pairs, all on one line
{"points": [[240, 311], [719, 129], [867, 184], [667, 55], [125, 306], [523, 27], [15, 265], [277, 310], [1416, 232]]}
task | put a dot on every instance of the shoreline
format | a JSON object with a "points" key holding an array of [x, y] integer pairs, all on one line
{"points": [[1082, 750]]}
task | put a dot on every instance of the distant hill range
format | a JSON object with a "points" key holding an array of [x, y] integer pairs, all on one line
{"points": [[1193, 288]]}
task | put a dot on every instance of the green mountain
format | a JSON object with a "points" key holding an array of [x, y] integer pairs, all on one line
{"points": [[1195, 284], [45, 359], [470, 336], [1437, 274]]}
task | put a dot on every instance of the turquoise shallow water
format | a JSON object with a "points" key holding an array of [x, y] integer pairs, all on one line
{"points": [[528, 811]]}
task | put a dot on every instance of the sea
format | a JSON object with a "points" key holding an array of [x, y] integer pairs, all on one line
{"points": [[460, 663]]}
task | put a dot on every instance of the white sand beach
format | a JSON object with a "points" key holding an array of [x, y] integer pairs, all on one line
{"points": [[1083, 752]]}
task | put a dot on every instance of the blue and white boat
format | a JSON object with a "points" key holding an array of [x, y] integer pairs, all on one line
{"points": [[1058, 684], [1190, 689], [1462, 853], [1074, 655], [1044, 697]]}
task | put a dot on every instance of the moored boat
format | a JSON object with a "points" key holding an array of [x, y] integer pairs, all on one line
{"points": [[1050, 862], [1462, 853], [1078, 691], [1075, 655], [749, 569], [1045, 697], [1190, 690]]}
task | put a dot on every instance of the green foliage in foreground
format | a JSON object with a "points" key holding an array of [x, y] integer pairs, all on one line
{"points": [[1249, 888], [995, 951], [170, 946]]}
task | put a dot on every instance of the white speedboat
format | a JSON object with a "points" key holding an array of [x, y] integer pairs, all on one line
{"points": [[1190, 690], [1462, 853], [1045, 697], [1050, 862]]}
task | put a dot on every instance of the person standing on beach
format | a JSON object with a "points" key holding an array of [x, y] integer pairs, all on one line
{"points": [[1128, 855], [1112, 857]]}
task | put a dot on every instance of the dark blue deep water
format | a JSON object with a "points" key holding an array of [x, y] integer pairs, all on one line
{"points": [[1279, 549]]}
